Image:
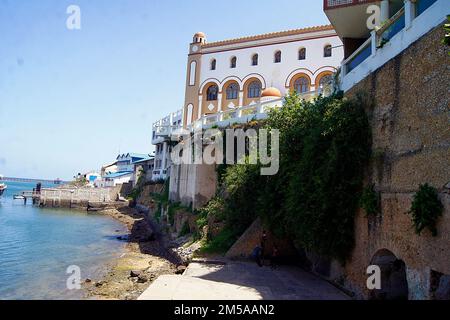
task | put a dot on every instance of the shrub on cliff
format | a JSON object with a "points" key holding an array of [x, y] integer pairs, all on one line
{"points": [[426, 208], [324, 147]]}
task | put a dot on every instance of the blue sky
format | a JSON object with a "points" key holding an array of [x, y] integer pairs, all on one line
{"points": [[71, 99]]}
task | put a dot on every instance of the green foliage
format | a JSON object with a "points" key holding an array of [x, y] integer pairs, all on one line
{"points": [[163, 197], [240, 184], [324, 147], [157, 214], [426, 208], [446, 39], [370, 200], [185, 229], [221, 243]]}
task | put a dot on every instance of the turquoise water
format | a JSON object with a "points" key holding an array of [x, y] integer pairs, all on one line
{"points": [[38, 245]]}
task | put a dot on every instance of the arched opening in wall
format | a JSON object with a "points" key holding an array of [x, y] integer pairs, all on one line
{"points": [[233, 62], [324, 81], [327, 51], [230, 98], [189, 113], [302, 54], [300, 83], [394, 284], [212, 92], [252, 91], [210, 98], [213, 64], [277, 57], [255, 59]]}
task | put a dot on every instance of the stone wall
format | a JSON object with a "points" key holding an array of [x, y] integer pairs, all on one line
{"points": [[192, 184], [244, 246], [411, 142]]}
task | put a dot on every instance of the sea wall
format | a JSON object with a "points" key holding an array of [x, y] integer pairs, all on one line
{"points": [[192, 184], [67, 197], [411, 146]]}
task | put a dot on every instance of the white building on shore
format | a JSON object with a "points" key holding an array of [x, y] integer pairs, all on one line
{"points": [[124, 171], [226, 79]]}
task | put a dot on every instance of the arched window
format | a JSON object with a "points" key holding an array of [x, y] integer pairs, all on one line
{"points": [[212, 92], [327, 50], [255, 59], [190, 110], [232, 91], [277, 58], [325, 82], [213, 64], [233, 62], [254, 89], [301, 85], [302, 54]]}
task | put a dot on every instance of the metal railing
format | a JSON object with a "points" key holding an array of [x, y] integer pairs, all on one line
{"points": [[357, 57], [391, 27], [247, 113], [332, 4]]}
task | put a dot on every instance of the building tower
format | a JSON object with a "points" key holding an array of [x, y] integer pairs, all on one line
{"points": [[192, 108]]}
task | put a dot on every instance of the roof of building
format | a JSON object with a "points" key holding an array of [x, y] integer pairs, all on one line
{"points": [[117, 174], [133, 155], [269, 35], [199, 34], [144, 160]]}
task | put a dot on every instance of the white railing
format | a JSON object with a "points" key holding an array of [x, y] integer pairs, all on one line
{"points": [[330, 4], [256, 111], [408, 25], [357, 57], [166, 126]]}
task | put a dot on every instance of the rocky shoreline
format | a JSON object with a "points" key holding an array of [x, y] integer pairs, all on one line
{"points": [[148, 255]]}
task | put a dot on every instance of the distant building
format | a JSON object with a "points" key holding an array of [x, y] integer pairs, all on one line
{"points": [[161, 136], [91, 176], [143, 168], [123, 170], [227, 79]]}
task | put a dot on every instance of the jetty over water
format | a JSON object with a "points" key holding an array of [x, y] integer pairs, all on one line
{"points": [[13, 179], [66, 197]]}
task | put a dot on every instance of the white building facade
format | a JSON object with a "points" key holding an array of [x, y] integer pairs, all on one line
{"points": [[227, 75], [161, 133], [402, 22]]}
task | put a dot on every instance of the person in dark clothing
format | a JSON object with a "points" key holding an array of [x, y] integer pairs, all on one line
{"points": [[256, 254], [263, 244], [274, 259]]}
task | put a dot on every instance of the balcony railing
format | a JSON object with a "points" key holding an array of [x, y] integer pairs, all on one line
{"points": [[357, 57], [332, 4], [384, 41], [251, 112], [393, 26]]}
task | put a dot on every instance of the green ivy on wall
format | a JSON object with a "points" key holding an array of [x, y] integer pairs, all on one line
{"points": [[426, 208], [324, 148]]}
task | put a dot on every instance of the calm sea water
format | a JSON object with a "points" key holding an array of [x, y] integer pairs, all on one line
{"points": [[38, 245]]}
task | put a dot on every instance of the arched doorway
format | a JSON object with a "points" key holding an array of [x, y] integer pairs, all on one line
{"points": [[394, 284]]}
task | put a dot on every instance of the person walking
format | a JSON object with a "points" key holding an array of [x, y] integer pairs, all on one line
{"points": [[256, 255]]}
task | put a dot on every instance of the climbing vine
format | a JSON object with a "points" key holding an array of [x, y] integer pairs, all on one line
{"points": [[324, 147], [370, 200], [426, 208]]}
